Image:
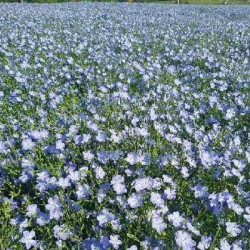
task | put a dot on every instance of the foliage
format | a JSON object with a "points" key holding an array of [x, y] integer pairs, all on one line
{"points": [[124, 126]]}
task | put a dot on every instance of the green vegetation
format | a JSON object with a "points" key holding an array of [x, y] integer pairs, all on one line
{"points": [[124, 126]]}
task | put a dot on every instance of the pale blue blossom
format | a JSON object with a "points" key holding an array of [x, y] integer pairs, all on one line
{"points": [[28, 240]]}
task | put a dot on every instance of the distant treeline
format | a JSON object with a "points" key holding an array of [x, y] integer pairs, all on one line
{"points": [[62, 1]]}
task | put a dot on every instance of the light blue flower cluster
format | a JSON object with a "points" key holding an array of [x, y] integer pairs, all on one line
{"points": [[124, 126]]}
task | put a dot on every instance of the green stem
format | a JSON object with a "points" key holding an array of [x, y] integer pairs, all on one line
{"points": [[215, 238]]}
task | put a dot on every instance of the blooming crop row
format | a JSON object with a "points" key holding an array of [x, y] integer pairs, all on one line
{"points": [[124, 126]]}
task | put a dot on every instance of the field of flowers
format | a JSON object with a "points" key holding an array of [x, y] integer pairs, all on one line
{"points": [[124, 126]]}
